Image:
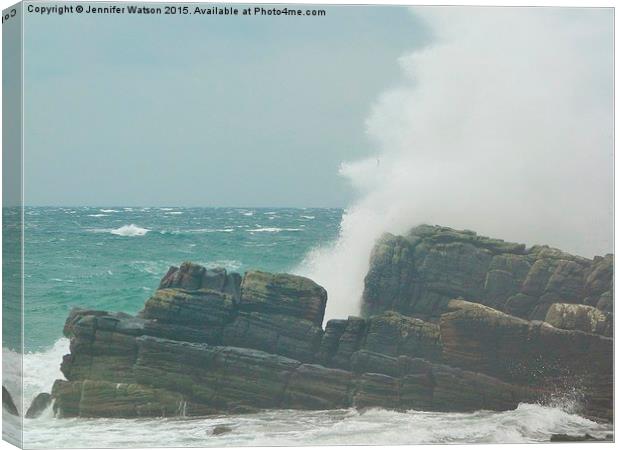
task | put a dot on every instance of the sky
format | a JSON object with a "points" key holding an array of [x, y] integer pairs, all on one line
{"points": [[203, 110]]}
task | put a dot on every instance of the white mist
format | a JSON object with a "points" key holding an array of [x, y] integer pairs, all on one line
{"points": [[504, 126]]}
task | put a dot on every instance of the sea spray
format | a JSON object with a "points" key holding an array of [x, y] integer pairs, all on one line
{"points": [[503, 125]]}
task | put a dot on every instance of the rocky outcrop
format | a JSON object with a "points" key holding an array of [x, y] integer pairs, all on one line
{"points": [[418, 274], [200, 347], [39, 404], [194, 350], [580, 317], [7, 403], [172, 377], [531, 353]]}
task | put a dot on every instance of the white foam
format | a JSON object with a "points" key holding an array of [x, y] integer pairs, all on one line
{"points": [[489, 131], [130, 230], [528, 423]]}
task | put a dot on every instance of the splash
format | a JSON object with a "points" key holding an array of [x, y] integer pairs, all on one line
{"points": [[503, 125]]}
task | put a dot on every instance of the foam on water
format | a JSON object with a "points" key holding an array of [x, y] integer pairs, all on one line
{"points": [[272, 230], [130, 230]]}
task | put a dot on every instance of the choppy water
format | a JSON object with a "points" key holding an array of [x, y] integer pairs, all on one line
{"points": [[113, 258]]}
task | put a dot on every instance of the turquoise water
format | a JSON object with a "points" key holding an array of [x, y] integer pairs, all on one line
{"points": [[112, 258]]}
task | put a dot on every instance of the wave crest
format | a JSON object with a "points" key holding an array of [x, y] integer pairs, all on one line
{"points": [[130, 230]]}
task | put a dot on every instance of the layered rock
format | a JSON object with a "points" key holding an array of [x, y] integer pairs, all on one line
{"points": [[531, 353], [418, 274], [210, 342]]}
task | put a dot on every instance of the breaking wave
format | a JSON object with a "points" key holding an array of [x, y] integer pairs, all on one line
{"points": [[130, 230]]}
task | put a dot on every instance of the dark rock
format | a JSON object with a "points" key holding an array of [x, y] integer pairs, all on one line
{"points": [[350, 341], [316, 387], [223, 377], [221, 429], [105, 399], [394, 334], [576, 438], [283, 294], [199, 309], [331, 338], [537, 354], [38, 405], [194, 277], [7, 402], [520, 305], [283, 335], [600, 276], [418, 274], [580, 317], [376, 390], [364, 361], [606, 302]]}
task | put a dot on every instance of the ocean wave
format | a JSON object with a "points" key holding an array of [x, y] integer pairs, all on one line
{"points": [[272, 230], [247, 213], [307, 217], [174, 213], [109, 210], [528, 423], [98, 215], [130, 231]]}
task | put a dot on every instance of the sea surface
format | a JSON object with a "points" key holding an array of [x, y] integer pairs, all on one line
{"points": [[112, 258]]}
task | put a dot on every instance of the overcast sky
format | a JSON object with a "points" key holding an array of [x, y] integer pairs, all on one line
{"points": [[205, 111]]}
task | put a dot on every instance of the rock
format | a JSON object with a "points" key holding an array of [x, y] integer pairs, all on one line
{"points": [[440, 333], [580, 317], [7, 402], [520, 305], [376, 390], [331, 339], [171, 378], [364, 361], [199, 309], [194, 277], [283, 335], [220, 429], [606, 302], [38, 405], [481, 339], [316, 387], [576, 438], [393, 334], [222, 377], [283, 294], [418, 274], [600, 276], [105, 399], [350, 341]]}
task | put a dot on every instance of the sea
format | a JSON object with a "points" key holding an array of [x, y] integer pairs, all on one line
{"points": [[112, 258]]}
